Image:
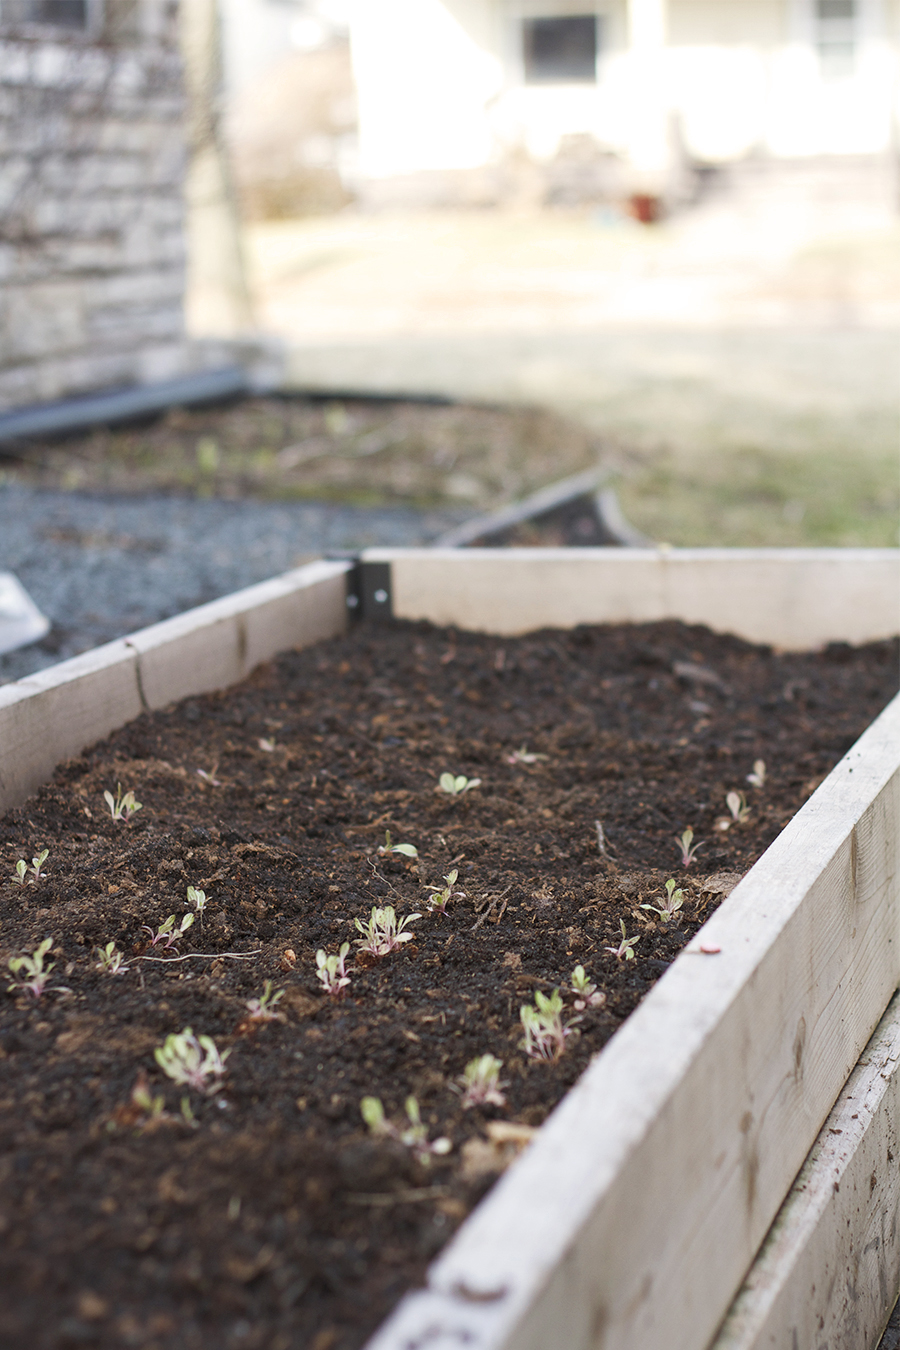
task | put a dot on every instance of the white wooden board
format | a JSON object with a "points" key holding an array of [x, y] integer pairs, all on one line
{"points": [[631, 1222], [829, 1271], [791, 598]]}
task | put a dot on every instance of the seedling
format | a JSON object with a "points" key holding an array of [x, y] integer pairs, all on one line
{"points": [[625, 949], [210, 777], [167, 933], [524, 756], [382, 934], [586, 994], [456, 785], [123, 806], [29, 876], [110, 960], [480, 1084], [265, 744], [262, 1009], [442, 895], [415, 1137], [30, 972], [737, 805], [198, 900], [407, 850], [687, 846], [601, 838], [673, 902], [545, 1031], [758, 777], [331, 971], [193, 1061]]}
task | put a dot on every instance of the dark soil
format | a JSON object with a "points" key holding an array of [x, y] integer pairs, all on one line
{"points": [[274, 1220]]}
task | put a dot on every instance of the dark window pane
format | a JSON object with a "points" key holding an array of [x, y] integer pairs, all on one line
{"points": [[59, 13], [836, 9], [561, 50]]}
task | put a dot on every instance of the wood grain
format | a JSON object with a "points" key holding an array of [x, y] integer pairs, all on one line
{"points": [[829, 1271], [792, 598]]}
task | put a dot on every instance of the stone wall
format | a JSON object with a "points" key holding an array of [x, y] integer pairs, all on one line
{"points": [[92, 166]]}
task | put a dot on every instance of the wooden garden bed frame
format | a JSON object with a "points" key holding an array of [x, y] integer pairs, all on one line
{"points": [[726, 1173]]}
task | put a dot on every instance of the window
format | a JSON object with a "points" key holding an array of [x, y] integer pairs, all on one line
{"points": [[561, 51], [836, 35], [72, 14]]}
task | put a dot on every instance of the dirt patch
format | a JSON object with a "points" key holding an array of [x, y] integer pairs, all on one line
{"points": [[359, 451], [139, 1212]]}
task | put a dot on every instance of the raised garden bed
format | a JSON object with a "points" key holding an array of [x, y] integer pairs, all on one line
{"points": [[650, 1190]]}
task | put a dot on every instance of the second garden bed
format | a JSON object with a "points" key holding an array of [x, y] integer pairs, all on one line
{"points": [[275, 1218]]}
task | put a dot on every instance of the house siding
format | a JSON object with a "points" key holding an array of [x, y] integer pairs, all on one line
{"points": [[92, 169]]}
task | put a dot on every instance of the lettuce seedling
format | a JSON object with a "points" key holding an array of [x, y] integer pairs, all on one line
{"points": [[442, 895], [625, 949], [193, 1061], [407, 850], [382, 934], [22, 869], [198, 900], [415, 1137], [522, 756], [586, 994], [456, 785], [167, 933], [684, 842], [262, 1009], [480, 1084], [110, 960], [332, 972], [737, 805], [673, 902], [758, 777], [123, 806], [30, 972], [545, 1031]]}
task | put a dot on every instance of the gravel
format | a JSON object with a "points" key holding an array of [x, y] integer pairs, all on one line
{"points": [[100, 567]]}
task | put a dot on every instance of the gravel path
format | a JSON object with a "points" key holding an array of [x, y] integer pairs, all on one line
{"points": [[100, 567]]}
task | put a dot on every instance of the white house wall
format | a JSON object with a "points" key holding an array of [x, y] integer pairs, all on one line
{"points": [[441, 84]]}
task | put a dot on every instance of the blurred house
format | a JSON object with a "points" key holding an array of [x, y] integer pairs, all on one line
{"points": [[480, 99], [91, 196]]}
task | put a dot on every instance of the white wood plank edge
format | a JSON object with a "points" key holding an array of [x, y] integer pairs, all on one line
{"points": [[829, 1270], [790, 598], [633, 1219], [56, 713]]}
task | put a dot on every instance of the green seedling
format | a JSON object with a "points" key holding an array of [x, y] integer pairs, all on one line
{"points": [[455, 785], [210, 777], [523, 756], [332, 971], [758, 777], [480, 1083], [31, 975], [110, 960], [382, 934], [670, 907], [406, 850], [737, 805], [586, 994], [198, 900], [262, 1009], [193, 1061], [167, 933], [29, 876], [442, 895], [545, 1031], [625, 949], [123, 806], [688, 848], [415, 1136]]}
